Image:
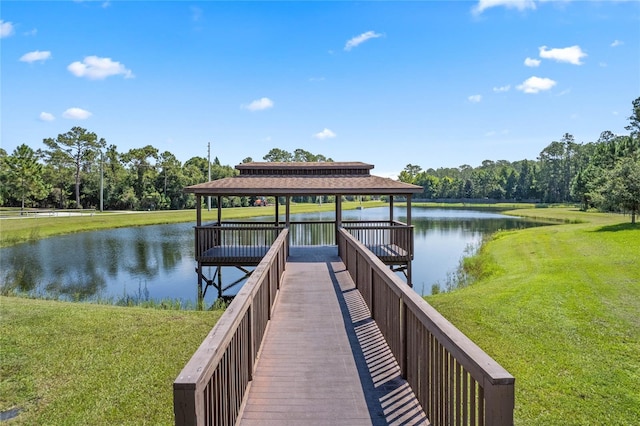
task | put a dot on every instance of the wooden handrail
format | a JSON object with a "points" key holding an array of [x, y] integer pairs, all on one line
{"points": [[210, 389], [455, 381]]}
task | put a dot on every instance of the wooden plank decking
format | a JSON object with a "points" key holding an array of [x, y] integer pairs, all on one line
{"points": [[323, 359]]}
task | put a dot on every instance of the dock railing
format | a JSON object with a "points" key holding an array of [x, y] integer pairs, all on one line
{"points": [[455, 381], [211, 388], [234, 240], [390, 240]]}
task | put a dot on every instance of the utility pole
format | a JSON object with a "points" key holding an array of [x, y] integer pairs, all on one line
{"points": [[209, 177], [101, 181]]}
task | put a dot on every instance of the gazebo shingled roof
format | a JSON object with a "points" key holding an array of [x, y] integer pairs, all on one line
{"points": [[304, 178]]}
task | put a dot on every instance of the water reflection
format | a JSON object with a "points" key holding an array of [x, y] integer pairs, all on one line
{"points": [[157, 262]]}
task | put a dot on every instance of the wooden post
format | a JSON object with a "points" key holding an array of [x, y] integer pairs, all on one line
{"points": [[499, 403], [198, 210], [219, 203], [338, 215], [390, 209], [288, 211], [277, 211]]}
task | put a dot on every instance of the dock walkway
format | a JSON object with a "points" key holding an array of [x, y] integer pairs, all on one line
{"points": [[323, 359]]}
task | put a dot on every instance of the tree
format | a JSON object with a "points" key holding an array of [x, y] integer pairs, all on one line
{"points": [[79, 147], [634, 119], [22, 176], [409, 174], [144, 172], [278, 155], [621, 189]]}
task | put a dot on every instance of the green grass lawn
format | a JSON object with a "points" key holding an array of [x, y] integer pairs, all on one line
{"points": [[76, 363], [561, 312]]}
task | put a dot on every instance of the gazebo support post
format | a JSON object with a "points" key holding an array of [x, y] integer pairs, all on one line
{"points": [[390, 209], [338, 214], [410, 261], [219, 205], [277, 211], [198, 210], [288, 211]]}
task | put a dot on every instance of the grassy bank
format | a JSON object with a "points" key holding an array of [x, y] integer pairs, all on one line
{"points": [[75, 363], [561, 312], [15, 231]]}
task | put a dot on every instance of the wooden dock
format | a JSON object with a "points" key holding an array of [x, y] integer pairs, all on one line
{"points": [[323, 359], [326, 335]]}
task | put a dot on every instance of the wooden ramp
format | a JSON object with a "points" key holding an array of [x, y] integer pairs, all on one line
{"points": [[323, 360]]}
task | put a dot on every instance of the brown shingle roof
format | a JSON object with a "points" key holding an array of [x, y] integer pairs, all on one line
{"points": [[304, 179]]}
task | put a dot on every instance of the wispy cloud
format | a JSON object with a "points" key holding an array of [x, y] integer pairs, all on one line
{"points": [[46, 116], [474, 99], [196, 13], [572, 54], [325, 134], [502, 89], [259, 104], [510, 4], [6, 29], [96, 68], [491, 133], [530, 62], [617, 43], [536, 84], [36, 55], [358, 40], [76, 114]]}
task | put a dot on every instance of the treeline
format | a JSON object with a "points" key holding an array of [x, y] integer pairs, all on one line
{"points": [[75, 168], [604, 174]]}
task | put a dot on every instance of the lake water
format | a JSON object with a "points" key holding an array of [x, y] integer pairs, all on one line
{"points": [[157, 262]]}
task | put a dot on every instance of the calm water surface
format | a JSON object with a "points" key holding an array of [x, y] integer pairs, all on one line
{"points": [[157, 262]]}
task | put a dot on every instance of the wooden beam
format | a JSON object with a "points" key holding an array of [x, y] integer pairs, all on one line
{"points": [[198, 210]]}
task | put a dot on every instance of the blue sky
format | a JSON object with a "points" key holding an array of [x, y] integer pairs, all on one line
{"points": [[432, 83]]}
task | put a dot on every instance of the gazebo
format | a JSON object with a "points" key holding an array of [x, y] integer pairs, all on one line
{"points": [[245, 243]]}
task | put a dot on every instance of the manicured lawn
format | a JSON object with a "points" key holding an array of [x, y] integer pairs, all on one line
{"points": [[76, 363], [561, 312]]}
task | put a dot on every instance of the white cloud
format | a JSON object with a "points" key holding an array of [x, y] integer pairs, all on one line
{"points": [[357, 40], [46, 116], [509, 4], [95, 68], [325, 134], [530, 62], [617, 43], [76, 114], [536, 84], [36, 55], [6, 29], [502, 88], [259, 104], [475, 98], [572, 54]]}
